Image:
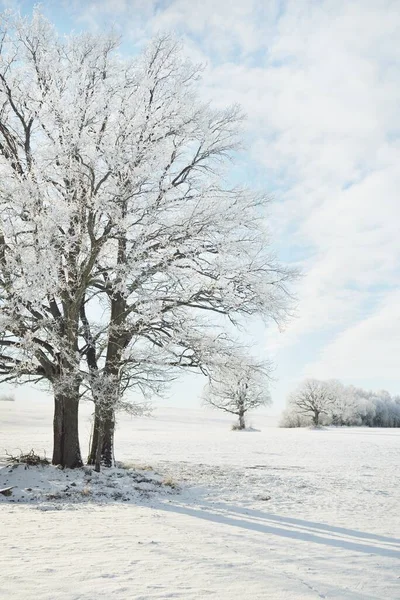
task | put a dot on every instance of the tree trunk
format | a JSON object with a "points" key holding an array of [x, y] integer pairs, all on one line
{"points": [[66, 450], [97, 462], [103, 438], [107, 393], [107, 446], [242, 424], [316, 418], [95, 437]]}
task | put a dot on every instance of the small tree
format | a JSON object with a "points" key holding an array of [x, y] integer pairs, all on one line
{"points": [[238, 388], [313, 398]]}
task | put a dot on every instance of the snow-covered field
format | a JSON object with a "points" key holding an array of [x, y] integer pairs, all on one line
{"points": [[280, 514]]}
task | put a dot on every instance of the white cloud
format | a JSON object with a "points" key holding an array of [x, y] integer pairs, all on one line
{"points": [[369, 350], [223, 27]]}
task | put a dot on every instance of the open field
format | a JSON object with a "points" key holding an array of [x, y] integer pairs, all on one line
{"points": [[274, 513]]}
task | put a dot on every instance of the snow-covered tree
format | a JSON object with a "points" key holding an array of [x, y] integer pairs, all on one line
{"points": [[342, 405], [377, 408], [314, 398], [237, 388], [343, 410], [51, 228], [188, 245], [118, 229]]}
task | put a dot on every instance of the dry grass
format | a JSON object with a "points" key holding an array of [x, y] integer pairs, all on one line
{"points": [[169, 482]]}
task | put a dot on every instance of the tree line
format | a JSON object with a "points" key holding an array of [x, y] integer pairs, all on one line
{"points": [[126, 258], [317, 403]]}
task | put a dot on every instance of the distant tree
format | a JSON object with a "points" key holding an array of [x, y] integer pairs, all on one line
{"points": [[313, 398], [7, 398], [340, 405], [237, 389], [343, 410], [377, 409]]}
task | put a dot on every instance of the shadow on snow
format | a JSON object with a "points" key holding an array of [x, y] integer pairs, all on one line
{"points": [[291, 528]]}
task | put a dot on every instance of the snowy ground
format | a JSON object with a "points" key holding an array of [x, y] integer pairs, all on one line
{"points": [[280, 514]]}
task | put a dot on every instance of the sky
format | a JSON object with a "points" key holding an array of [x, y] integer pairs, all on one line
{"points": [[319, 81]]}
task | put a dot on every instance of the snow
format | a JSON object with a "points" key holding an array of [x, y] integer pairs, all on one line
{"points": [[274, 513], [48, 484]]}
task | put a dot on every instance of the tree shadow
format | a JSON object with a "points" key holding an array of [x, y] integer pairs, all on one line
{"points": [[286, 527], [310, 525]]}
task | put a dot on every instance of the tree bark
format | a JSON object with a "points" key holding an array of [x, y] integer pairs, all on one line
{"points": [[97, 462], [95, 437], [103, 438], [316, 418], [66, 449], [107, 446], [242, 423]]}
